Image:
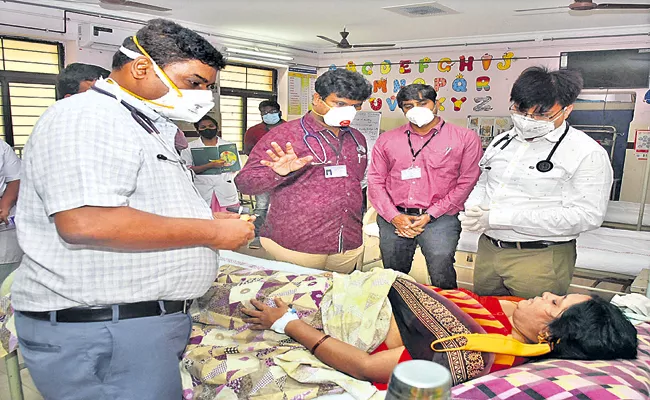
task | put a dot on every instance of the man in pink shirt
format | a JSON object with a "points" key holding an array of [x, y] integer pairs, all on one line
{"points": [[420, 176]]}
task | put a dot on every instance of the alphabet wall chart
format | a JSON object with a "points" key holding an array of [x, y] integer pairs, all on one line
{"points": [[467, 84], [465, 81]]}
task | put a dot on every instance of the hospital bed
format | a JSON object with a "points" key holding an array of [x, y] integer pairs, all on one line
{"points": [[626, 214], [615, 256]]}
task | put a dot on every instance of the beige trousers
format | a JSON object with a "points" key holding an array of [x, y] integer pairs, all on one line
{"points": [[525, 273], [343, 263]]}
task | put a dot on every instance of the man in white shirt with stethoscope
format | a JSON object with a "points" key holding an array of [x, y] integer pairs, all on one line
{"points": [[542, 184]]}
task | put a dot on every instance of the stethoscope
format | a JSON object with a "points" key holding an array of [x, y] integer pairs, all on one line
{"points": [[361, 151], [542, 166], [145, 122]]}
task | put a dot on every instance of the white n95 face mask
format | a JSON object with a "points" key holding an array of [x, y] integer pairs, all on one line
{"points": [[179, 104], [339, 116], [420, 116], [529, 128]]}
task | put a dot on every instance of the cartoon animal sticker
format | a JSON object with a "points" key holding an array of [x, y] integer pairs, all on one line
{"points": [[375, 103], [385, 67], [332, 67], [423, 64], [444, 65], [483, 83], [351, 66], [459, 84], [439, 83], [466, 63], [398, 84], [507, 61], [379, 84], [367, 68], [392, 103], [405, 66], [419, 81], [458, 103], [483, 104], [486, 61]]}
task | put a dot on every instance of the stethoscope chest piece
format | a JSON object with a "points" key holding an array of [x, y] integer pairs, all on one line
{"points": [[544, 166]]}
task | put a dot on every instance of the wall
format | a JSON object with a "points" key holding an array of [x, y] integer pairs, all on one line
{"points": [[497, 64]]}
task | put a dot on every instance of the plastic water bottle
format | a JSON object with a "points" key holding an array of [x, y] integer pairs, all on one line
{"points": [[419, 379]]}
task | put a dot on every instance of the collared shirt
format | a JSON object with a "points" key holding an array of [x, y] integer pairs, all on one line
{"points": [[254, 134], [448, 165], [87, 150], [528, 205], [222, 185], [309, 213], [9, 166]]}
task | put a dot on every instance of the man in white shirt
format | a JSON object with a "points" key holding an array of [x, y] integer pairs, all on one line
{"points": [[116, 238], [542, 184], [222, 186], [10, 252]]}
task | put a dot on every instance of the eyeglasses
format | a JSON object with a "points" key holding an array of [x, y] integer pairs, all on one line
{"points": [[539, 117], [270, 112]]}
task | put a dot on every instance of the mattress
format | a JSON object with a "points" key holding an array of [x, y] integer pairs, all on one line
{"points": [[625, 212], [243, 260], [604, 249]]}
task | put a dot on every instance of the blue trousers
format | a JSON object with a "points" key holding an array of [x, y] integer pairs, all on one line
{"points": [[438, 243], [132, 359]]}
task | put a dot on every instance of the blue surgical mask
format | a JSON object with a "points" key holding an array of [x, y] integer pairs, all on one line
{"points": [[271, 119]]}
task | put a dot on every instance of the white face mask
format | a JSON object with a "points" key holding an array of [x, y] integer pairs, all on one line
{"points": [[190, 105], [420, 116], [339, 116], [529, 128]]}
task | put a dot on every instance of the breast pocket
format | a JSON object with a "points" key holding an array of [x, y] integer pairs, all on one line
{"points": [[443, 169]]}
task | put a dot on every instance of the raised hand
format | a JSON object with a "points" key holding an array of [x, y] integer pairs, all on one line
{"points": [[284, 162]]}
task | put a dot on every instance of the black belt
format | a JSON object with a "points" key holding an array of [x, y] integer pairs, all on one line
{"points": [[105, 313], [540, 244], [412, 211]]}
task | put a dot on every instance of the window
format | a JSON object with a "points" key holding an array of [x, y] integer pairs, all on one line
{"points": [[242, 89], [28, 71]]}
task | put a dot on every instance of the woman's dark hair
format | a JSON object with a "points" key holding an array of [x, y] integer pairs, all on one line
{"points": [[540, 88], [206, 118], [593, 330], [415, 91], [167, 42], [343, 83], [68, 80]]}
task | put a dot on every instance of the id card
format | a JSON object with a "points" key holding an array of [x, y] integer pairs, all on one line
{"points": [[336, 171], [411, 173]]}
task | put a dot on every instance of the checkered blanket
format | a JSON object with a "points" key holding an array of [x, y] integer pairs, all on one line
{"points": [[563, 379]]}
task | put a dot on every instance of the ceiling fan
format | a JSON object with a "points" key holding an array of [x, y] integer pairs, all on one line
{"points": [[587, 5], [344, 44], [123, 3]]}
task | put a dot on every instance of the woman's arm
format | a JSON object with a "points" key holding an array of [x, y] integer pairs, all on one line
{"points": [[335, 353]]}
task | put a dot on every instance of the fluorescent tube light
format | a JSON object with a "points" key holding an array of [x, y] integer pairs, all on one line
{"points": [[259, 54], [257, 62]]}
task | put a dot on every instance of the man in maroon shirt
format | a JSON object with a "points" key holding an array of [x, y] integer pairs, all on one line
{"points": [[271, 117], [314, 178], [420, 176]]}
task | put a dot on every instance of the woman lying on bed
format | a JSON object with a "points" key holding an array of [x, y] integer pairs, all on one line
{"points": [[571, 327]]}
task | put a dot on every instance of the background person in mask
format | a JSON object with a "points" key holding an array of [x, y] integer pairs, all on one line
{"points": [[222, 185], [116, 237], [271, 117], [420, 176], [531, 210], [312, 167]]}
